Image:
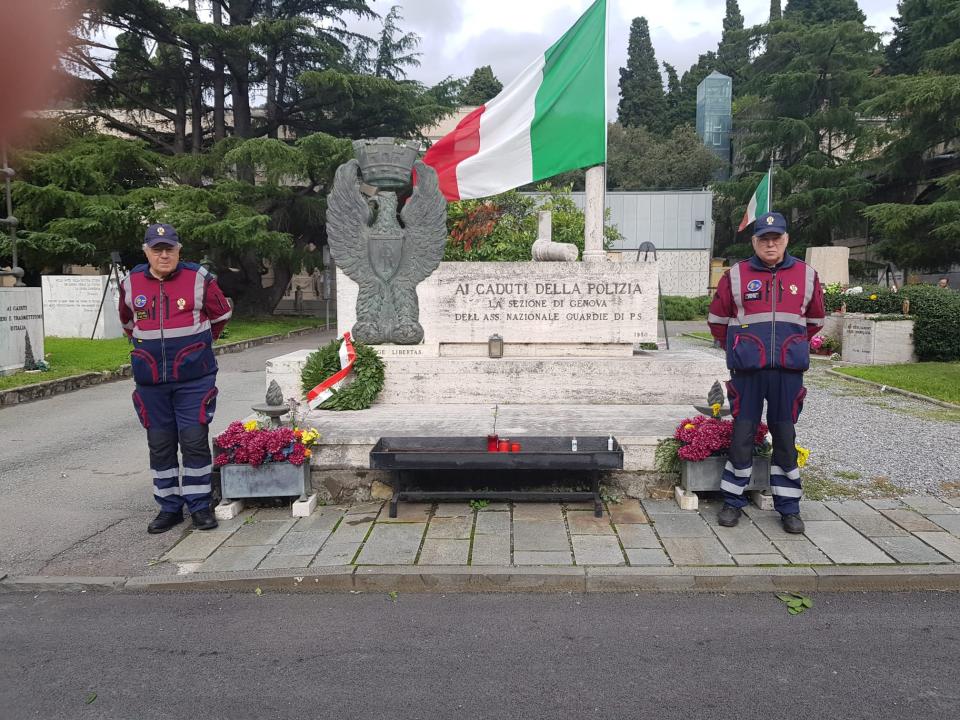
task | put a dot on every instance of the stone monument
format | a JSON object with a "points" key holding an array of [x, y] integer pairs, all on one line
{"points": [[71, 305], [384, 252], [21, 313]]}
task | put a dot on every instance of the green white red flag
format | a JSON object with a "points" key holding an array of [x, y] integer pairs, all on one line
{"points": [[550, 119], [759, 203]]}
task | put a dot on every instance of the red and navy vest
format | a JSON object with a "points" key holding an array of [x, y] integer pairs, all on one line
{"points": [[172, 323], [766, 316]]}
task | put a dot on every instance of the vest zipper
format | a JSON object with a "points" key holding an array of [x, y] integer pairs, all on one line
{"points": [[773, 320], [163, 344]]}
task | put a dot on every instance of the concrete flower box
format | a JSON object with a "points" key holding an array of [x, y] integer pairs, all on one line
{"points": [[704, 476], [268, 480]]}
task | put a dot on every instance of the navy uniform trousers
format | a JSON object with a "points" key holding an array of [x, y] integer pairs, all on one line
{"points": [[784, 393], [173, 414]]}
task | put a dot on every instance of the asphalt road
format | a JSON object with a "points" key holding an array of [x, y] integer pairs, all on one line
{"points": [[871, 656], [74, 482]]}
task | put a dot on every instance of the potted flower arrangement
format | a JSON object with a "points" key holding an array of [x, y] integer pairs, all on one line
{"points": [[260, 461], [698, 451]]}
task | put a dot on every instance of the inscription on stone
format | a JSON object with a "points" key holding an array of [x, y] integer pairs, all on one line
{"points": [[70, 304], [20, 314], [534, 302]]}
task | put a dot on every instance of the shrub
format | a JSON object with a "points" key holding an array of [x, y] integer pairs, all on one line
{"points": [[677, 307]]}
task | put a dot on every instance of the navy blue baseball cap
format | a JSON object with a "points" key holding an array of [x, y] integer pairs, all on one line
{"points": [[771, 222], [161, 234]]}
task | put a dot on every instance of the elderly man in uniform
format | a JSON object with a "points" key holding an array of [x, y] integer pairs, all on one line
{"points": [[173, 311], [764, 313]]}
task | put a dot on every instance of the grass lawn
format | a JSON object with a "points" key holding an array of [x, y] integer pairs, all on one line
{"points": [[75, 356], [939, 380], [701, 335]]}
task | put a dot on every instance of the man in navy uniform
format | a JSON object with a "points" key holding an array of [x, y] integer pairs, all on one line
{"points": [[764, 312], [173, 311]]}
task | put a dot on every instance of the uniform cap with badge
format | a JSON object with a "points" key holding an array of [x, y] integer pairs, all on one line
{"points": [[771, 223], [161, 234]]}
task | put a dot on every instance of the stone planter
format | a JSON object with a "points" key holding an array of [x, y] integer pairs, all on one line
{"points": [[267, 480], [704, 476]]}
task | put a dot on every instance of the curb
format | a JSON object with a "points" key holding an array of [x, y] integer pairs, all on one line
{"points": [[50, 388], [457, 579], [896, 390]]}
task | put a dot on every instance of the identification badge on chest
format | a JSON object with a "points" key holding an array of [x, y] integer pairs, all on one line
{"points": [[753, 290]]}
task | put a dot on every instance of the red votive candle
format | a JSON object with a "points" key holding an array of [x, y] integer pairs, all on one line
{"points": [[492, 443], [515, 447], [503, 445]]}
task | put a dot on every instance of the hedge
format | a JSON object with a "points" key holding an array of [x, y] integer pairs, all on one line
{"points": [[936, 314], [677, 307]]}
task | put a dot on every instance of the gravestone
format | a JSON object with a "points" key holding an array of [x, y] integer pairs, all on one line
{"points": [[70, 304], [831, 263], [21, 313], [868, 341]]}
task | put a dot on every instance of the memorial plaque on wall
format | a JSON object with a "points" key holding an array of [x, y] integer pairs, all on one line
{"points": [[531, 302], [70, 304], [21, 314]]}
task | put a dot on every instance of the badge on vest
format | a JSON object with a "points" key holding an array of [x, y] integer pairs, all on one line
{"points": [[754, 285], [140, 300], [181, 303], [142, 314], [751, 296], [793, 289]]}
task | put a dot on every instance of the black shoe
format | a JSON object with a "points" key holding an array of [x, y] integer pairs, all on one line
{"points": [[164, 521], [729, 516], [204, 520], [792, 524]]}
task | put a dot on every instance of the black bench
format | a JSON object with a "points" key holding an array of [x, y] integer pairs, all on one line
{"points": [[406, 455]]}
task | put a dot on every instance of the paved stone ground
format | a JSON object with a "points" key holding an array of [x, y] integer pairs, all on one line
{"points": [[911, 530]]}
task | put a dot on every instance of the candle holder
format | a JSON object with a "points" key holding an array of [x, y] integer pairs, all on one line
{"points": [[492, 443]]}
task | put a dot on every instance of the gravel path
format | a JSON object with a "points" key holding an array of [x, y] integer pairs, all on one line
{"points": [[866, 443]]}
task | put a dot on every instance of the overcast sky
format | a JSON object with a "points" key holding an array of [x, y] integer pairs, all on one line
{"points": [[460, 35]]}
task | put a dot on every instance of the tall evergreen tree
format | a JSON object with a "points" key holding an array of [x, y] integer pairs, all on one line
{"points": [[396, 51], [673, 97], [775, 13], [823, 11], [733, 51], [642, 102], [482, 86]]}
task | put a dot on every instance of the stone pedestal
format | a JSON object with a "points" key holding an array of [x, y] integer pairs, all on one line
{"points": [[831, 263], [21, 314], [71, 302], [868, 341]]}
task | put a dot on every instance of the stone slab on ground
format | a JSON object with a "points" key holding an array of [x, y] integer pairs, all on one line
{"points": [[911, 520], [627, 512], [334, 553], [909, 550], [638, 537], [542, 557], [696, 551], [260, 532], [875, 526], [673, 526], [444, 551], [234, 558], [302, 543], [491, 549], [277, 561], [801, 551], [950, 523], [597, 550], [745, 538], [196, 546], [351, 531], [647, 556], [451, 527], [492, 523], [944, 542], [927, 505], [538, 536], [392, 544], [843, 544], [583, 522]]}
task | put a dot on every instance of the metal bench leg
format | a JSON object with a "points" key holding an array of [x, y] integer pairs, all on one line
{"points": [[597, 502], [396, 493]]}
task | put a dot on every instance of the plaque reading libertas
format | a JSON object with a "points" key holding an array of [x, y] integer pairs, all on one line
{"points": [[531, 302]]}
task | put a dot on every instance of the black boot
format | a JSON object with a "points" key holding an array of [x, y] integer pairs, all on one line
{"points": [[164, 521], [729, 516], [792, 523], [204, 520]]}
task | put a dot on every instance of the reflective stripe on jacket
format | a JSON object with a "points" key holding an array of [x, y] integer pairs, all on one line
{"points": [[765, 316], [172, 322]]}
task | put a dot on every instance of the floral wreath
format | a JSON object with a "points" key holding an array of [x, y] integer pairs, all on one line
{"points": [[368, 376]]}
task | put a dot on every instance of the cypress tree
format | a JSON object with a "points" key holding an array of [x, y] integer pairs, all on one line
{"points": [[775, 13], [642, 102]]}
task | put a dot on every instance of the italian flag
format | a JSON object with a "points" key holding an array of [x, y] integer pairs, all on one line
{"points": [[759, 203], [550, 119]]}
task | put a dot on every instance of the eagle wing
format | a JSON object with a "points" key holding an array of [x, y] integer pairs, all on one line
{"points": [[425, 226], [348, 219]]}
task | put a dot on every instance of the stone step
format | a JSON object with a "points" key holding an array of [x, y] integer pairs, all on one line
{"points": [[675, 377]]}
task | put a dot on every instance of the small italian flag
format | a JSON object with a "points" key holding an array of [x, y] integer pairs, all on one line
{"points": [[759, 203], [550, 119]]}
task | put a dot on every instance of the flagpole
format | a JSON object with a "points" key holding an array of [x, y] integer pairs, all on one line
{"points": [[770, 185], [595, 190]]}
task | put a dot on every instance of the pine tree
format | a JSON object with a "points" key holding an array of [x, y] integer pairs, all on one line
{"points": [[642, 102], [733, 51], [823, 11], [29, 363], [482, 86], [395, 51], [673, 98], [775, 13]]}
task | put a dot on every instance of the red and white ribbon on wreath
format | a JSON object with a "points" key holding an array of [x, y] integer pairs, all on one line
{"points": [[324, 390]]}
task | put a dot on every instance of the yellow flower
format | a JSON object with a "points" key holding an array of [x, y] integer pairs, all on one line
{"points": [[250, 425], [716, 409], [873, 297], [689, 426], [802, 455], [307, 453]]}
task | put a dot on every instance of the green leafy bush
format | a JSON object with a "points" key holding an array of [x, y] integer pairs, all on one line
{"points": [[677, 307]]}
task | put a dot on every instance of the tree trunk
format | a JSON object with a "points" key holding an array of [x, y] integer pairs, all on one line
{"points": [[245, 290], [180, 123], [196, 90], [272, 123], [219, 125]]}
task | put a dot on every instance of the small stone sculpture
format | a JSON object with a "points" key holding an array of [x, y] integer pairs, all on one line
{"points": [[274, 408], [715, 402]]}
